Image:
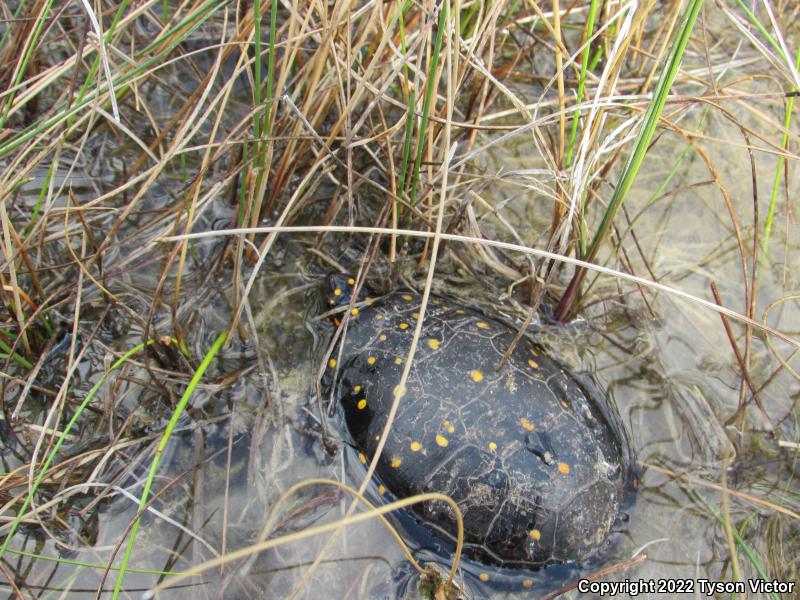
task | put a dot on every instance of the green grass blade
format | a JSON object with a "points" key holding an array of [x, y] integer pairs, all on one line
{"points": [[433, 85], [17, 15], [162, 444], [17, 358], [654, 110], [590, 19], [776, 182], [273, 32], [257, 69], [240, 217], [409, 136], [264, 117], [40, 199], [411, 101], [29, 50], [754, 20], [745, 547], [96, 566], [468, 21]]}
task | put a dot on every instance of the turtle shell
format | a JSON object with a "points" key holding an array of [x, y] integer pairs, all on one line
{"points": [[534, 455]]}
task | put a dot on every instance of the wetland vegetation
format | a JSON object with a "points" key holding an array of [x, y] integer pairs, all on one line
{"points": [[177, 177]]}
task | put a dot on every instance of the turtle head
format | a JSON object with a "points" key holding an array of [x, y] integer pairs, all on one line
{"points": [[340, 290]]}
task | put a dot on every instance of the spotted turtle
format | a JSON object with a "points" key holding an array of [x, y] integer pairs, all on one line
{"points": [[534, 455]]}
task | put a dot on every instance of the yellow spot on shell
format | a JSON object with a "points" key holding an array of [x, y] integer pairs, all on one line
{"points": [[399, 391], [434, 344], [356, 388], [407, 297], [415, 315], [332, 363], [362, 404], [476, 375], [381, 490], [403, 325], [459, 311], [351, 281], [450, 428], [372, 360], [416, 446], [484, 577], [337, 292], [382, 337], [396, 462], [362, 458], [398, 361], [482, 325], [527, 583], [354, 311], [535, 534], [526, 424], [563, 468], [532, 363], [492, 446], [442, 441]]}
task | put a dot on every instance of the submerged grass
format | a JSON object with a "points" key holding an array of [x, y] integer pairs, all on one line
{"points": [[743, 545], [162, 444], [86, 565], [43, 471], [518, 144]]}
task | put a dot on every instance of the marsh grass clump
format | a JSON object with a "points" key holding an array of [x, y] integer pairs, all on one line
{"points": [[175, 176]]}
